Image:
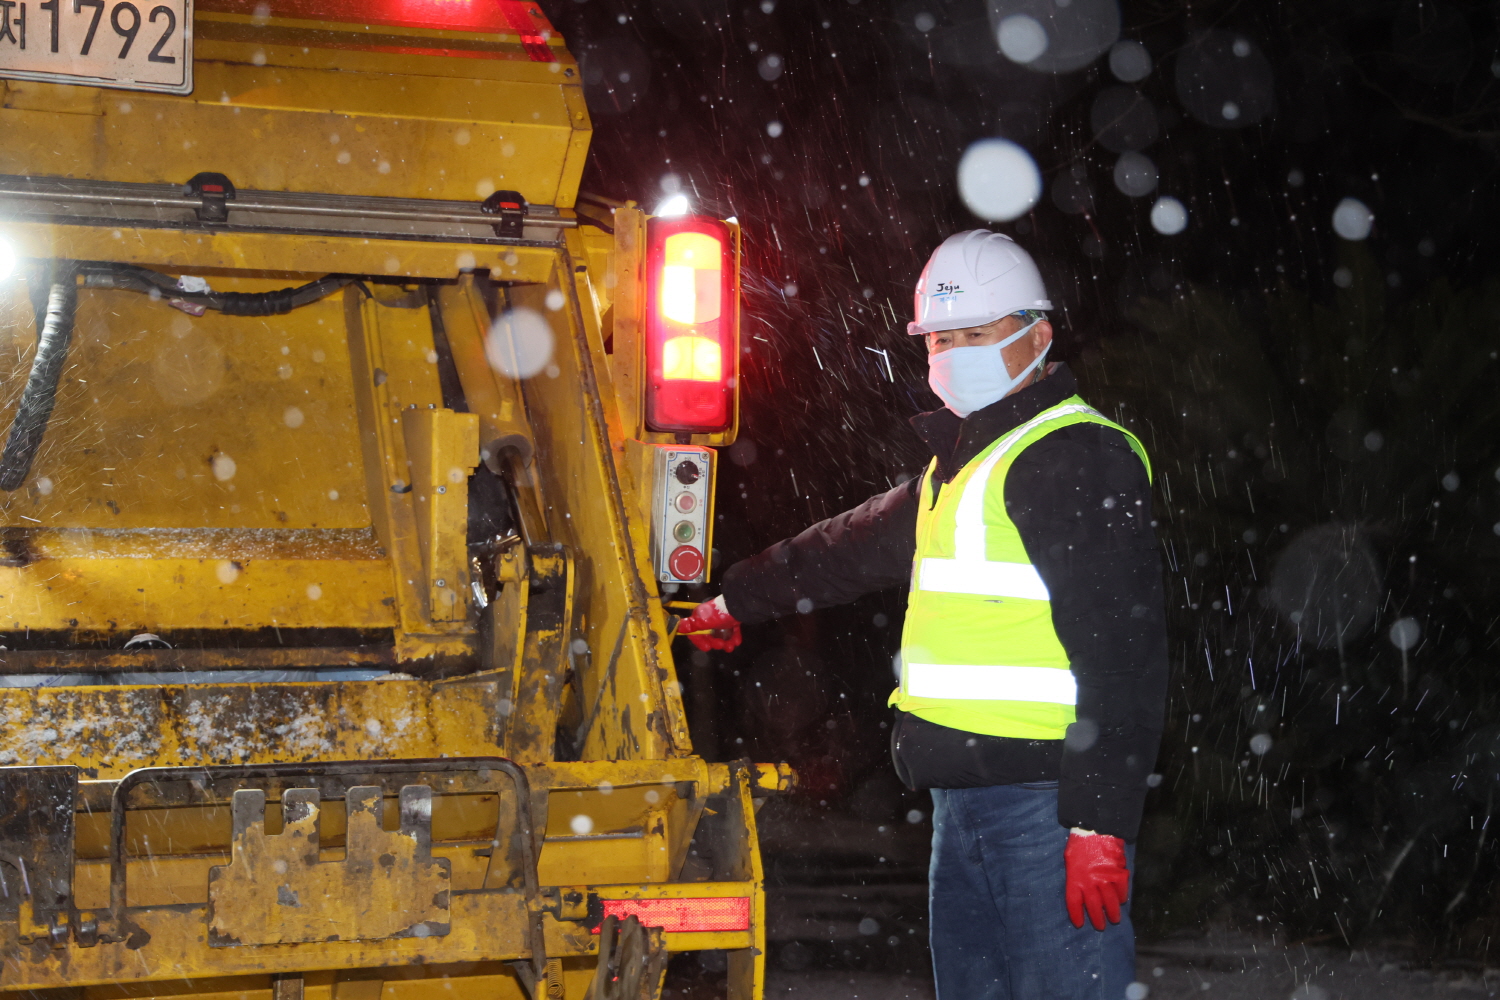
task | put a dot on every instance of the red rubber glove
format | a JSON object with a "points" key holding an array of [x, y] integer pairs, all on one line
{"points": [[710, 626], [1098, 878]]}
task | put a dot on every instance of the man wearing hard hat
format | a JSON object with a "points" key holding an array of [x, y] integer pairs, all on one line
{"points": [[1033, 659]]}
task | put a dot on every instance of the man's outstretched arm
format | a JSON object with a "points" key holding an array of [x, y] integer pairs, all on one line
{"points": [[834, 562]]}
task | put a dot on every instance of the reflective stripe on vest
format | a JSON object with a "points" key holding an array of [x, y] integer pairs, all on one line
{"points": [[979, 651], [970, 681], [990, 579], [969, 572]]}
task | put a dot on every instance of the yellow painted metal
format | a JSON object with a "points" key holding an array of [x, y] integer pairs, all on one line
{"points": [[146, 509], [402, 112], [493, 393], [490, 980], [330, 519], [109, 731], [628, 313], [277, 889], [597, 280], [33, 95], [247, 575], [632, 705], [214, 252], [387, 471], [137, 439], [231, 588], [627, 701], [174, 848], [489, 927], [486, 928], [442, 449]]}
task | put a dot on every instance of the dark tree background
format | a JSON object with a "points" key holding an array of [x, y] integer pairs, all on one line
{"points": [[1323, 413]]}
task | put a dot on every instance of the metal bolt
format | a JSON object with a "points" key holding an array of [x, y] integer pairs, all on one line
{"points": [[442, 583], [442, 489]]}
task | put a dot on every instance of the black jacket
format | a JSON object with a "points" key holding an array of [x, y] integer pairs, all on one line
{"points": [[1081, 500]]}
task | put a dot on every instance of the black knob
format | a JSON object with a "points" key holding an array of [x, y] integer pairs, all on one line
{"points": [[687, 472]]}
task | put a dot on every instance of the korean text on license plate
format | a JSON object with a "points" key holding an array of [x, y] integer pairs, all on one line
{"points": [[129, 44]]}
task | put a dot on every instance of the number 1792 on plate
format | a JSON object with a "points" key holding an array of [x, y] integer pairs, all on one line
{"points": [[128, 44]]}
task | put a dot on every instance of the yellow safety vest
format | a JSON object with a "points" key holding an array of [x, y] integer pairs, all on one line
{"points": [[979, 651]]}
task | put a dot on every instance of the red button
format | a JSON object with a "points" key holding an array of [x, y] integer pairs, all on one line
{"points": [[685, 562]]}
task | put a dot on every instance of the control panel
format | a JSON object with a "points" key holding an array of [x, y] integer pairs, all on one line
{"points": [[682, 513]]}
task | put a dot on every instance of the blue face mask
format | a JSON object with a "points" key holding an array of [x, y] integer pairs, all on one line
{"points": [[971, 378]]}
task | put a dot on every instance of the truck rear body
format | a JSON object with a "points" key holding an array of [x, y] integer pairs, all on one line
{"points": [[336, 657]]}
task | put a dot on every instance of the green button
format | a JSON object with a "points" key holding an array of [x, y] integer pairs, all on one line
{"points": [[684, 531]]}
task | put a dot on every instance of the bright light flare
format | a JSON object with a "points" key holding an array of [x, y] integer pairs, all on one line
{"points": [[9, 258], [671, 206], [692, 359], [690, 278]]}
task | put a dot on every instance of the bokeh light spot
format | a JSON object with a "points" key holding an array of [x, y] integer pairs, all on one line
{"points": [[1129, 61], [998, 180], [1352, 219], [1169, 216]]}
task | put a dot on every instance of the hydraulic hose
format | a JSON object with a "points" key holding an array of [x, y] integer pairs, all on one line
{"points": [[55, 331], [156, 284]]}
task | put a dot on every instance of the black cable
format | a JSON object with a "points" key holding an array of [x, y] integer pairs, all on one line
{"points": [[54, 322], [156, 284], [55, 331]]}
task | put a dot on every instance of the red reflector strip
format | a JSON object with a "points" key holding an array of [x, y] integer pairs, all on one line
{"points": [[519, 16], [710, 913]]}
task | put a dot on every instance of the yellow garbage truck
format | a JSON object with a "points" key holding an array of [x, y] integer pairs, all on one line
{"points": [[350, 466]]}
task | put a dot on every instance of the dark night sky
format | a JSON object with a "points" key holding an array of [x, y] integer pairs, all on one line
{"points": [[1321, 411]]}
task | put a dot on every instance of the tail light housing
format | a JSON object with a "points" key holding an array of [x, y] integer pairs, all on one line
{"points": [[692, 325]]}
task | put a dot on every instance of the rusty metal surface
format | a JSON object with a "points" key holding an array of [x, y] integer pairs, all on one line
{"points": [[522, 855], [108, 731], [277, 890], [167, 945], [28, 661], [542, 679], [493, 916], [36, 839], [288, 987], [631, 703], [632, 961]]}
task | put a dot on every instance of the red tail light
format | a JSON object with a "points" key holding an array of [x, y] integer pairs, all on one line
{"points": [[691, 325]]}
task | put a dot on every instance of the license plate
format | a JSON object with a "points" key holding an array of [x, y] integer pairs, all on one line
{"points": [[127, 44]]}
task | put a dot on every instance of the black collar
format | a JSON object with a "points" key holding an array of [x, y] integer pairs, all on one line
{"points": [[955, 440]]}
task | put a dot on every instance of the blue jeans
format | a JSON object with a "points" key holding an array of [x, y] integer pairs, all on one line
{"points": [[999, 920]]}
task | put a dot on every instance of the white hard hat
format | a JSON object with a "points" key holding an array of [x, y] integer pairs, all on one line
{"points": [[974, 278]]}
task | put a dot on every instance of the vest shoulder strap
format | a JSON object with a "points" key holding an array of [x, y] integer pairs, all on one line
{"points": [[969, 527]]}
